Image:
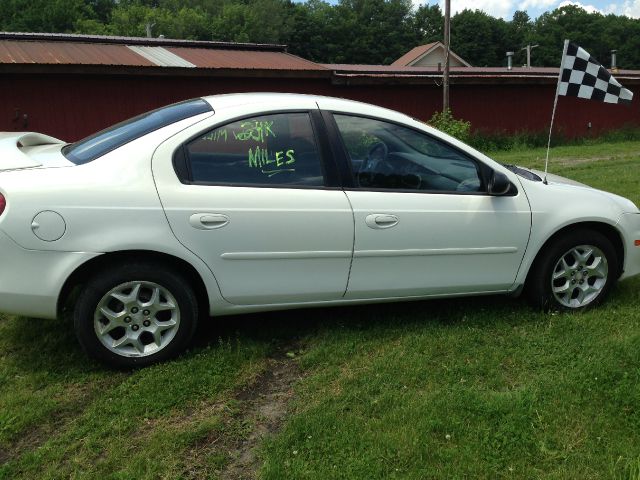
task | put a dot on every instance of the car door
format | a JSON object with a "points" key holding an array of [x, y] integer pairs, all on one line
{"points": [[424, 222], [253, 198]]}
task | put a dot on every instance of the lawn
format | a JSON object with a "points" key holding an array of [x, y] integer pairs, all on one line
{"points": [[471, 388]]}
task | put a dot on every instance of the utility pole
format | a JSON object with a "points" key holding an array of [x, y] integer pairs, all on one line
{"points": [[528, 48], [447, 47]]}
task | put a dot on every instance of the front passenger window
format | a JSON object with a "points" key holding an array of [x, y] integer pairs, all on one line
{"points": [[384, 155]]}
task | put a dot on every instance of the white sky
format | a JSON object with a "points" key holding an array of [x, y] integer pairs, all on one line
{"points": [[505, 8]]}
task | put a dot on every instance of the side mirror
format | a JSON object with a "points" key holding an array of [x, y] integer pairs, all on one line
{"points": [[499, 184]]}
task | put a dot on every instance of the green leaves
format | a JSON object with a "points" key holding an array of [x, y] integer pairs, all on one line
{"points": [[445, 122], [349, 31]]}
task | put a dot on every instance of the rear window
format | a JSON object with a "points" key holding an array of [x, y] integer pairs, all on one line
{"points": [[114, 137]]}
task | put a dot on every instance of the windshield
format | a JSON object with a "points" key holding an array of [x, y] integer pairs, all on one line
{"points": [[113, 137]]}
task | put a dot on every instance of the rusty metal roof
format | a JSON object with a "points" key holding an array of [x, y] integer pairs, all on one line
{"points": [[414, 54], [144, 55], [222, 58], [391, 74], [461, 70], [91, 50], [61, 53]]}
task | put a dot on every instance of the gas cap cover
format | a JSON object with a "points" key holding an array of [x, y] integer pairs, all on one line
{"points": [[48, 226]]}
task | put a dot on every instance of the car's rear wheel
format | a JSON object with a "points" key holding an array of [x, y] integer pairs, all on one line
{"points": [[135, 315], [575, 272]]}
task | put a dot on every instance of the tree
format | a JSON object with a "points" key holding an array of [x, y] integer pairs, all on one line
{"points": [[351, 31], [246, 22], [519, 34], [468, 26], [371, 31], [314, 32], [187, 23], [571, 22], [41, 15], [428, 24]]}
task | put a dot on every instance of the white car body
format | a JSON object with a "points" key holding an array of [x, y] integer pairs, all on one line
{"points": [[276, 247]]}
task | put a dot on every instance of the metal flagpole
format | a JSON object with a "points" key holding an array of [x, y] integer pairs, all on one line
{"points": [[553, 113]]}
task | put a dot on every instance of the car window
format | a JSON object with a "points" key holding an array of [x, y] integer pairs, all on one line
{"points": [[389, 156], [113, 137], [278, 149]]}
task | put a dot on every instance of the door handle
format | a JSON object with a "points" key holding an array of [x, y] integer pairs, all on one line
{"points": [[380, 221], [208, 221]]}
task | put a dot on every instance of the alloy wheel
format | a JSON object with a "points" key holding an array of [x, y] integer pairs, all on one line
{"points": [[136, 319], [579, 276]]}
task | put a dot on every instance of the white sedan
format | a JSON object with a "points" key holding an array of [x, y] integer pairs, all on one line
{"points": [[251, 202]]}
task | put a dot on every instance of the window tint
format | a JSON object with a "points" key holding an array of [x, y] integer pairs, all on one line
{"points": [[113, 137], [277, 149], [389, 156]]}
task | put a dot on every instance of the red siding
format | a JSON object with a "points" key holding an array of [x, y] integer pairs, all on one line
{"points": [[514, 108], [72, 106]]}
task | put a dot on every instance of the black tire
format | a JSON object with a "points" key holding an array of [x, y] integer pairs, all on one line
{"points": [[170, 288], [540, 282]]}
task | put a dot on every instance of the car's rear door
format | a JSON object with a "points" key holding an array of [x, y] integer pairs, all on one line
{"points": [[255, 199], [424, 223]]}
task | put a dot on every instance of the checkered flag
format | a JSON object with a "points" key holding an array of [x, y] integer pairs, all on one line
{"points": [[582, 76]]}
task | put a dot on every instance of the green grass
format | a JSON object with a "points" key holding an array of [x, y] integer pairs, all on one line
{"points": [[465, 388], [62, 416], [612, 167]]}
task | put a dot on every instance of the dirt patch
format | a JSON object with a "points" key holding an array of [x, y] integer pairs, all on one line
{"points": [[567, 161], [261, 408], [265, 406]]}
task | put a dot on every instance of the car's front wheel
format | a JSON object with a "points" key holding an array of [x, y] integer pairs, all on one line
{"points": [[135, 315], [574, 272]]}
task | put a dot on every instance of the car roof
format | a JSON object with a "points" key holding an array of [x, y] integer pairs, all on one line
{"points": [[297, 100]]}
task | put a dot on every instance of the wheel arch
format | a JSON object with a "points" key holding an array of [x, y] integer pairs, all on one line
{"points": [[609, 231], [84, 271]]}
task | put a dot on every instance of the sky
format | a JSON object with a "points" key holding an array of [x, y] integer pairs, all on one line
{"points": [[505, 8]]}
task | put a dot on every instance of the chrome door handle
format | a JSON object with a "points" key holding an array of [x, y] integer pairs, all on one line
{"points": [[380, 221], [208, 221]]}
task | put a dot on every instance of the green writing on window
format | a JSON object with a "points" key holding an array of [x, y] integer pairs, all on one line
{"points": [[216, 135], [256, 130], [271, 163]]}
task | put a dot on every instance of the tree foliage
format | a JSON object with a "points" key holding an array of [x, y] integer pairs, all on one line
{"points": [[447, 123], [350, 31]]}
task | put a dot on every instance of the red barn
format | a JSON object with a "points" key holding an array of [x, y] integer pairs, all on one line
{"points": [[69, 86]]}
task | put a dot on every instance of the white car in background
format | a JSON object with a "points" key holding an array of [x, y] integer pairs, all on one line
{"points": [[252, 202]]}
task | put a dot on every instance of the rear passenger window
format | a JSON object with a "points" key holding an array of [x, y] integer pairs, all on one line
{"points": [[277, 149]]}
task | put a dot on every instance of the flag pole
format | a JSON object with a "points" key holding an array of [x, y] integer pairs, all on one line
{"points": [[553, 113]]}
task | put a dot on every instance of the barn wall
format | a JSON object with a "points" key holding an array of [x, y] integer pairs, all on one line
{"points": [[71, 106], [514, 108]]}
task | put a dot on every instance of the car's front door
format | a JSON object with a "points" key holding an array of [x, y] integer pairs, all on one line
{"points": [[254, 204], [424, 223]]}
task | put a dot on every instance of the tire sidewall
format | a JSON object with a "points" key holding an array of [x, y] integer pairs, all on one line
{"points": [[99, 284]]}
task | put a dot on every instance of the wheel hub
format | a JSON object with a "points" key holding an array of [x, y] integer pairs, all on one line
{"points": [[579, 276]]}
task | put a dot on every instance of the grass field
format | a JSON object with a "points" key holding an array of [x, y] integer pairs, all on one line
{"points": [[472, 388]]}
